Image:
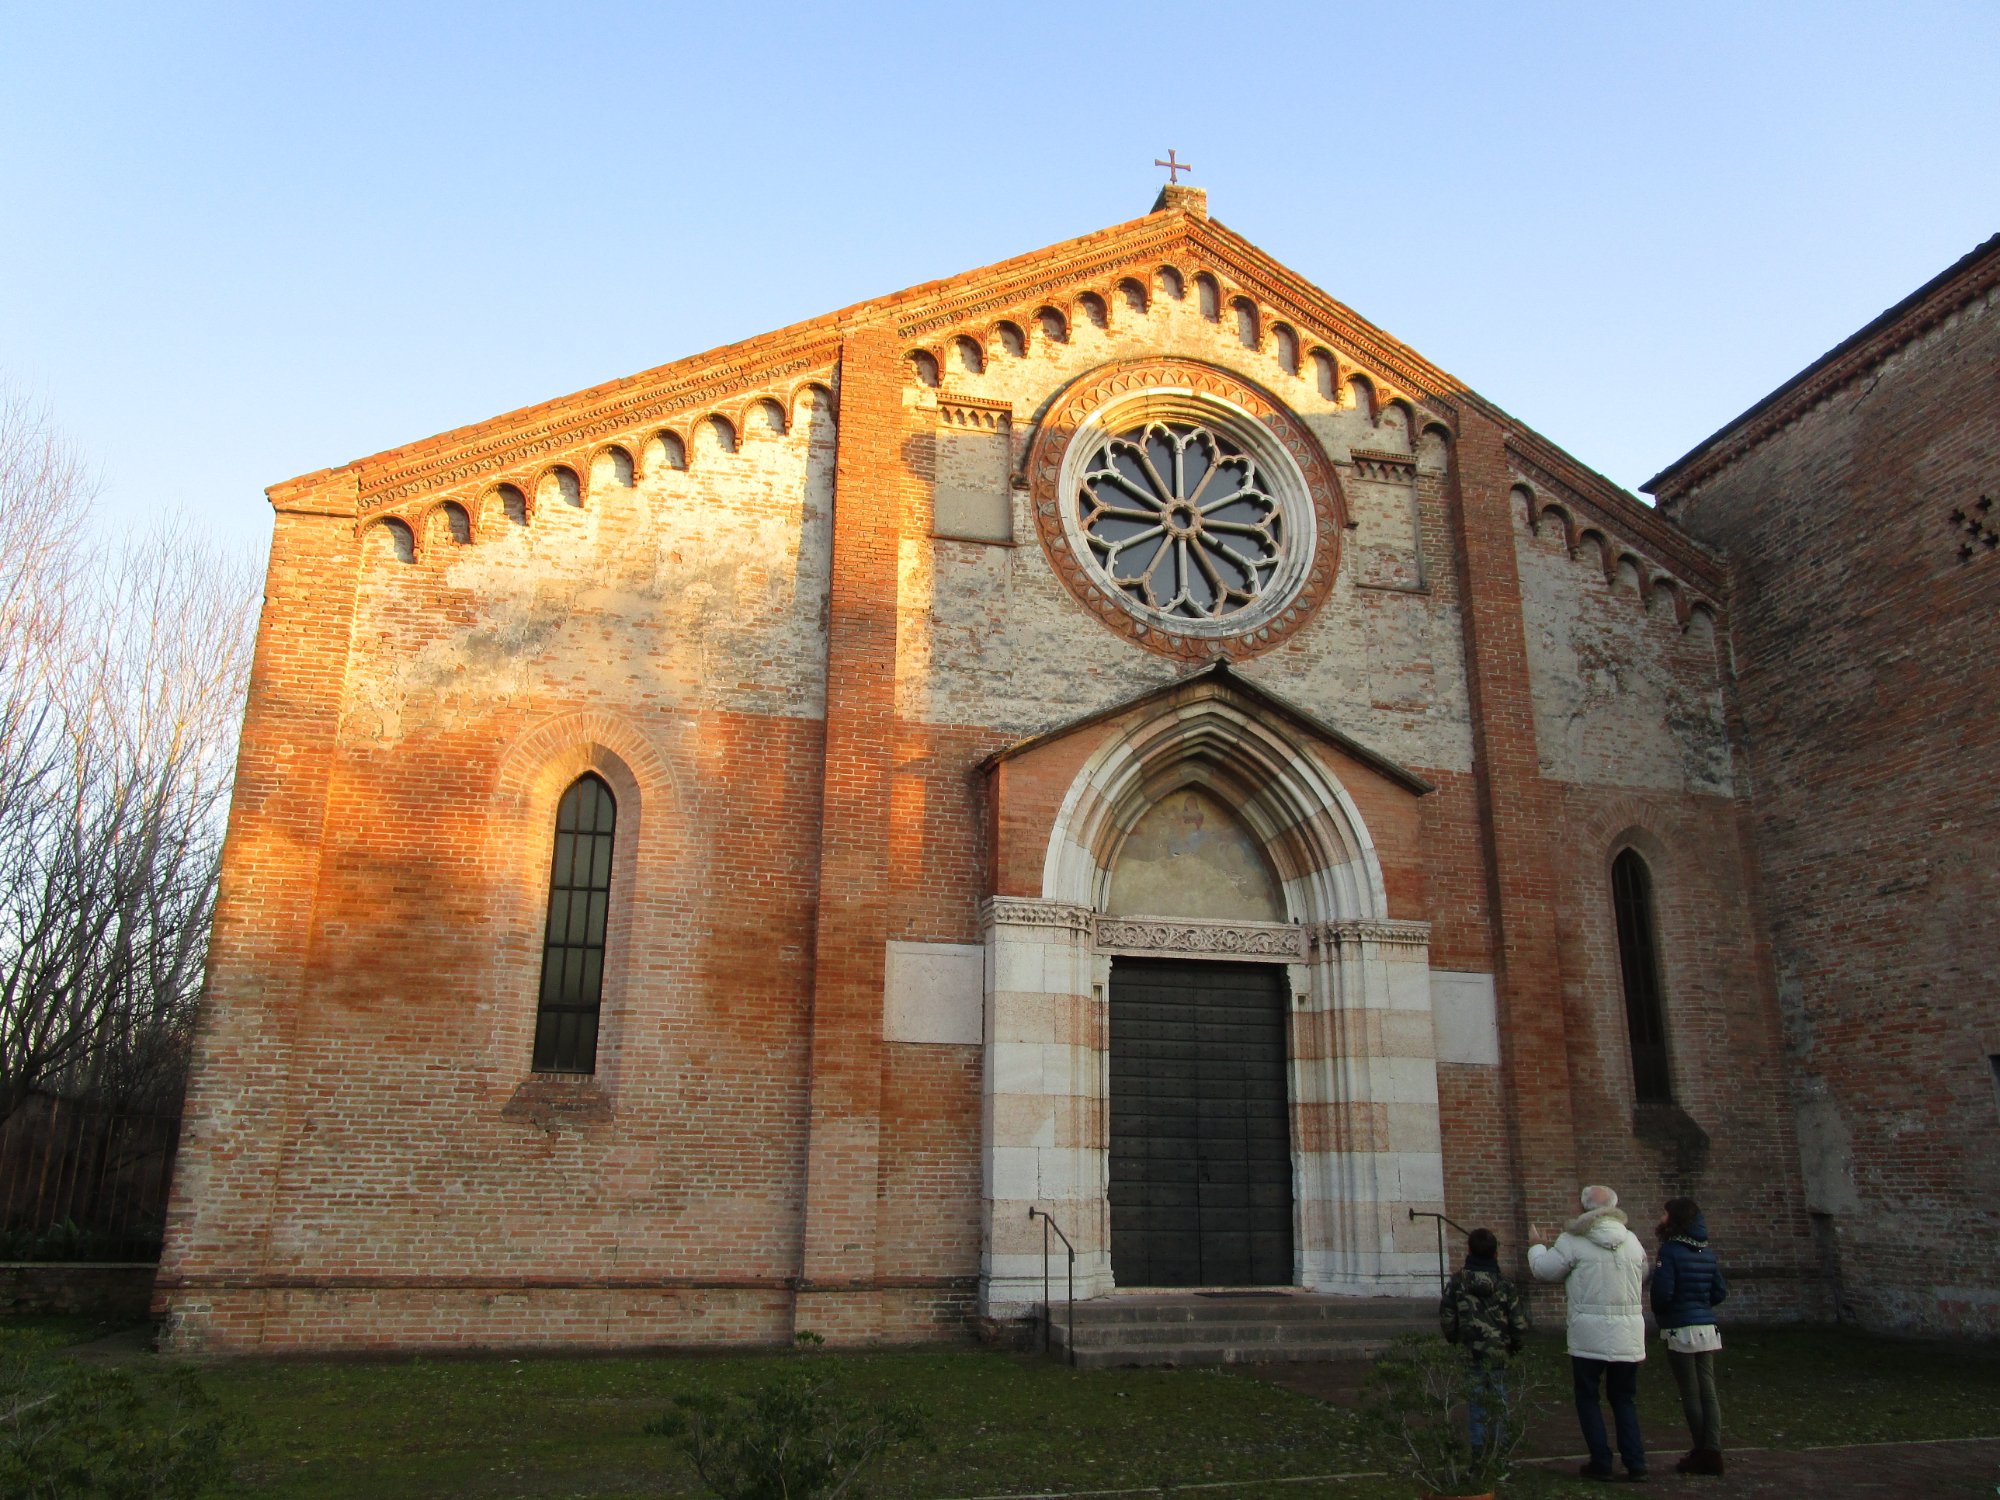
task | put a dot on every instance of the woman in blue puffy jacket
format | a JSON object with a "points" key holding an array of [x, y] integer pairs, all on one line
{"points": [[1686, 1288]]}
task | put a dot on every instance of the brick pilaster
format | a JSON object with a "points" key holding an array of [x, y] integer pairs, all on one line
{"points": [[1519, 817], [233, 1139], [843, 1145]]}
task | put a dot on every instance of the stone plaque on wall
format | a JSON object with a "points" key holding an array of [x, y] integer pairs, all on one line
{"points": [[973, 500]]}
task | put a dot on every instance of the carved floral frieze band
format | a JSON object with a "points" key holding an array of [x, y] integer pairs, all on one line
{"points": [[1288, 942], [1019, 911], [1392, 933], [1278, 940]]}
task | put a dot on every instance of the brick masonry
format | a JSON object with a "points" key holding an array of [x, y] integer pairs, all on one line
{"points": [[719, 586], [1862, 632]]}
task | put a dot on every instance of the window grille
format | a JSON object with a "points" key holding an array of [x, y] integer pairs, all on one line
{"points": [[573, 947], [1181, 521], [1638, 957]]}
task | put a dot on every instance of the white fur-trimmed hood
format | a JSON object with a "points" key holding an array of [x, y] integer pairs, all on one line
{"points": [[1603, 1269], [1601, 1226]]}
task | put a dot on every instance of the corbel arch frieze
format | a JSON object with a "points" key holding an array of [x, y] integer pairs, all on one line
{"points": [[570, 431], [1103, 283], [1580, 522]]}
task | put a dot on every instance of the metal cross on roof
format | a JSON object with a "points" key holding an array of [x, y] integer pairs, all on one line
{"points": [[1174, 168]]}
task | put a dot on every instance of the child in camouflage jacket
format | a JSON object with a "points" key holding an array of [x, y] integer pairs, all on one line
{"points": [[1481, 1313]]}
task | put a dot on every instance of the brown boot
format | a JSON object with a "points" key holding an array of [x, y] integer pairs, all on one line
{"points": [[1711, 1462], [1689, 1462]]}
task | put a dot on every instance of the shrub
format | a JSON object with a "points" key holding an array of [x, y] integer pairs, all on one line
{"points": [[795, 1437], [84, 1432], [1416, 1401]]}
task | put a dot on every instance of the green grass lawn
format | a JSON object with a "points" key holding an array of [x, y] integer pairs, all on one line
{"points": [[1003, 1424]]}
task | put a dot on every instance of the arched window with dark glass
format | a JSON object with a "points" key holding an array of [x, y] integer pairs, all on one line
{"points": [[1639, 960], [573, 946]]}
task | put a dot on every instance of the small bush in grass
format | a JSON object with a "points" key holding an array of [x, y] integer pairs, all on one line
{"points": [[1416, 1403], [795, 1437], [83, 1432]]}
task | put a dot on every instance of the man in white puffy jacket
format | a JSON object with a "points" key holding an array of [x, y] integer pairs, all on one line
{"points": [[1603, 1268]]}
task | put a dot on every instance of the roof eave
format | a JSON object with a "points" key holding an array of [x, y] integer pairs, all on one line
{"points": [[1866, 347]]}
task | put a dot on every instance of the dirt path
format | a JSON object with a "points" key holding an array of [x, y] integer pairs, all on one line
{"points": [[1963, 1466], [1917, 1470]]}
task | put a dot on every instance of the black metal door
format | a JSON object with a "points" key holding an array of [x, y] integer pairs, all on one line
{"points": [[1201, 1156]]}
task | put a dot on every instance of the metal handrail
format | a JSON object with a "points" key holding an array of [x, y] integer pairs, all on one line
{"points": [[1048, 1308], [1443, 1275]]}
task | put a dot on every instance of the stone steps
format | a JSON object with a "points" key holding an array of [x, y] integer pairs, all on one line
{"points": [[1214, 1328]]}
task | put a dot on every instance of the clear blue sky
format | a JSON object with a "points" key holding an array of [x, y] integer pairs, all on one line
{"points": [[246, 241]]}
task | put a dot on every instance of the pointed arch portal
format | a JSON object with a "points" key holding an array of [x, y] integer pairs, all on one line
{"points": [[1240, 1088]]}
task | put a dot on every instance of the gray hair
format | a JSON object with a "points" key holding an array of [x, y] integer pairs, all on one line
{"points": [[1597, 1196]]}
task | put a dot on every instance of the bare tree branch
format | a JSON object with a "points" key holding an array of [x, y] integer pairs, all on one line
{"points": [[122, 671]]}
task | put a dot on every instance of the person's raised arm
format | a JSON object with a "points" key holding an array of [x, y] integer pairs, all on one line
{"points": [[1549, 1263]]}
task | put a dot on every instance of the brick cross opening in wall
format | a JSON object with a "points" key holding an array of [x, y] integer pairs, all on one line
{"points": [[1174, 168], [1976, 523]]}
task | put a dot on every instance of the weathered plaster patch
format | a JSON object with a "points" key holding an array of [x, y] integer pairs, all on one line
{"points": [[698, 589], [1623, 696]]}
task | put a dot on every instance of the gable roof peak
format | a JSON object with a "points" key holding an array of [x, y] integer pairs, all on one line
{"points": [[1219, 678], [1182, 198]]}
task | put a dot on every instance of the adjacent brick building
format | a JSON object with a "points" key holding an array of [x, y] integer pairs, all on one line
{"points": [[1113, 733], [1859, 506]]}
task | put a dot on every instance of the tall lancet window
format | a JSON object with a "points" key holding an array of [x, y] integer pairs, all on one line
{"points": [[573, 948], [1639, 958]]}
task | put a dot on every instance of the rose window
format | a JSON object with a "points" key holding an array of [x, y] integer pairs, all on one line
{"points": [[1180, 520]]}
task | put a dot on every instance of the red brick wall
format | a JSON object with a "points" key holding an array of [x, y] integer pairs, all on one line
{"points": [[1871, 705], [410, 1126], [844, 1145], [938, 834]]}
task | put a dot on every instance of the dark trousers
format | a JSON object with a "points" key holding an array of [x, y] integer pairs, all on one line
{"points": [[1486, 1407], [1620, 1379], [1695, 1375]]}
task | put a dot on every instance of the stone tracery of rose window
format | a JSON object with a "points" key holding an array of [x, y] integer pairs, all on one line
{"points": [[1179, 519], [1186, 509]]}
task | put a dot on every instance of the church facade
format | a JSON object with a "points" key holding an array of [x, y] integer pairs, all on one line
{"points": [[1112, 736]]}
